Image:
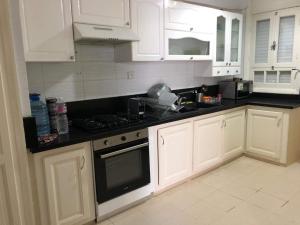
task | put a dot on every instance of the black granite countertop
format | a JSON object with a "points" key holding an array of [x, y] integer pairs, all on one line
{"points": [[78, 136]]}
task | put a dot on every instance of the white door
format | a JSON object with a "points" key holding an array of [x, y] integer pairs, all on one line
{"points": [[208, 143], [234, 134], [263, 40], [69, 186], [175, 153], [287, 34], [222, 27], [180, 16], [102, 12], [180, 45], [148, 24], [236, 36], [47, 30], [264, 133]]}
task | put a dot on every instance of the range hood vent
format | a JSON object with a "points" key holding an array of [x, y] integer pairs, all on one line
{"points": [[88, 33]]}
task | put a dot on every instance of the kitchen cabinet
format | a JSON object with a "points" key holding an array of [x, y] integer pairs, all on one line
{"points": [[275, 51], [104, 12], [181, 45], [175, 146], [148, 23], [47, 30], [188, 17], [264, 133], [234, 134], [208, 143], [65, 185], [229, 30]]}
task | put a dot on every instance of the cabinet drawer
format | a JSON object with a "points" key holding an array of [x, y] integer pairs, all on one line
{"points": [[235, 71]]}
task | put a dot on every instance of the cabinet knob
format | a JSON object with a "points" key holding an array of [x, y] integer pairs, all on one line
{"points": [[192, 58], [162, 58], [191, 29], [127, 24], [227, 71], [72, 57], [218, 72], [229, 64], [236, 71], [226, 64]]}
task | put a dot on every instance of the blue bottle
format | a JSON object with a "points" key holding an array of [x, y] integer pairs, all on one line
{"points": [[39, 110]]}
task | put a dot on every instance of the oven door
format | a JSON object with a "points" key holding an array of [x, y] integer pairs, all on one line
{"points": [[121, 169]]}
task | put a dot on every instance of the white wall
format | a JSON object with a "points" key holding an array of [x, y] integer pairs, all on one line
{"points": [[96, 75]]}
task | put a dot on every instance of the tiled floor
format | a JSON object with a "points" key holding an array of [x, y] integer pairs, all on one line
{"points": [[244, 192]]}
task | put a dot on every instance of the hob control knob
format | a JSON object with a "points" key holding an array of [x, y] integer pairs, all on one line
{"points": [[123, 138], [106, 142]]}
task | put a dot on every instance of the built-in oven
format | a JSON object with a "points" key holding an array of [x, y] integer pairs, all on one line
{"points": [[121, 164]]}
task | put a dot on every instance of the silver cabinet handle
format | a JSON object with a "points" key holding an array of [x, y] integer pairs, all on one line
{"points": [[161, 58], [82, 162], [127, 24], [162, 140], [279, 122]]}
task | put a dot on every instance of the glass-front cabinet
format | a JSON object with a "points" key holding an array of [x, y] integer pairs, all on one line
{"points": [[275, 56], [182, 45], [228, 40]]}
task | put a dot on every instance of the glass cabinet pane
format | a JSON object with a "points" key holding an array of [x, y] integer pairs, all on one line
{"points": [[271, 77], [286, 39], [235, 35], [262, 41], [259, 76], [188, 46], [221, 29], [285, 77]]}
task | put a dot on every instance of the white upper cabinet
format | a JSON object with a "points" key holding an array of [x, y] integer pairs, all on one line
{"points": [[188, 17], [275, 38], [208, 143], [188, 46], [175, 146], [102, 12], [147, 21], [47, 30], [229, 39]]}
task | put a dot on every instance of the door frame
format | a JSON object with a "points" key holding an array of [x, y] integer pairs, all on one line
{"points": [[13, 145]]}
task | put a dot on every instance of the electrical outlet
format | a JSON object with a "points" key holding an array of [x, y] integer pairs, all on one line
{"points": [[130, 75]]}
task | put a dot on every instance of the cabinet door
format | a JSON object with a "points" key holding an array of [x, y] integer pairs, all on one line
{"points": [[287, 31], [69, 186], [148, 23], [263, 37], [47, 30], [102, 12], [175, 153], [234, 134], [181, 45], [222, 30], [264, 133], [236, 31], [208, 143]]}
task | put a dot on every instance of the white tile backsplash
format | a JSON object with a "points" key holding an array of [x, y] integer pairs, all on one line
{"points": [[96, 75]]}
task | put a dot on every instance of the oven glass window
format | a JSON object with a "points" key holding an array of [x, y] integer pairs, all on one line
{"points": [[123, 169]]}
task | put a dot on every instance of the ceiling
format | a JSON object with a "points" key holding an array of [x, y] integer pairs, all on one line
{"points": [[224, 4]]}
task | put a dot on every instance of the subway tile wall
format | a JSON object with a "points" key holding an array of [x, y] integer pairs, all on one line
{"points": [[95, 74]]}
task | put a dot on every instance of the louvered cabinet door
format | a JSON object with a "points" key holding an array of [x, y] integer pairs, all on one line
{"points": [[263, 37]]}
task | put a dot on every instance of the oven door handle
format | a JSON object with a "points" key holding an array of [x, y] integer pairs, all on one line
{"points": [[124, 150]]}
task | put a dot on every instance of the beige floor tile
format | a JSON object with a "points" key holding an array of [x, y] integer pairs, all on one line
{"points": [[106, 222], [182, 219], [222, 200], [239, 191], [205, 213], [266, 201], [275, 219], [245, 214], [291, 209]]}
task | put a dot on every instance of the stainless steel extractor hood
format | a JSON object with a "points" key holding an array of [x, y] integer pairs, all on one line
{"points": [[88, 33]]}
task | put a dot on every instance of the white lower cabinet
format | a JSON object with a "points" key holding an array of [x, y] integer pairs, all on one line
{"points": [[175, 146], [234, 134], [65, 185], [208, 143], [265, 133]]}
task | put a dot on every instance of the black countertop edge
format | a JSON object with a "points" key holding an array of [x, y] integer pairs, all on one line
{"points": [[77, 136]]}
